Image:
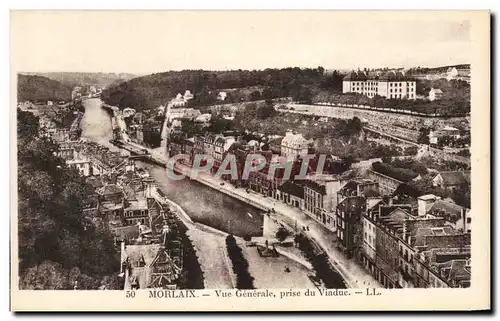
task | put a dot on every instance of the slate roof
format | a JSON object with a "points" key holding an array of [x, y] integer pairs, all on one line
{"points": [[355, 76], [454, 178], [292, 188], [446, 207], [129, 232], [109, 189]]}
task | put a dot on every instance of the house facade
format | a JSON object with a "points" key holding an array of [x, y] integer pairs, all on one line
{"points": [[320, 200], [348, 216], [391, 84], [294, 145], [452, 180], [435, 94]]}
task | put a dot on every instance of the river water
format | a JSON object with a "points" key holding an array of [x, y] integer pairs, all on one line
{"points": [[201, 203]]}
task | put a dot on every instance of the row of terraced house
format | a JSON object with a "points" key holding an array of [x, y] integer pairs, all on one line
{"points": [[402, 240]]}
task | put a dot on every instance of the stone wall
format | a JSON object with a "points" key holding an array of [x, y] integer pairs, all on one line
{"points": [[409, 121]]}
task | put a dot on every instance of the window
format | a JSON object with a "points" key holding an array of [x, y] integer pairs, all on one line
{"points": [[469, 219], [366, 236]]}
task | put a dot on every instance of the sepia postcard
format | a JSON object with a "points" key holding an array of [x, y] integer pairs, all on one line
{"points": [[250, 160]]}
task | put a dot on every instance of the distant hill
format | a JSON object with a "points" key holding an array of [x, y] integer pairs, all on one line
{"points": [[151, 90], [30, 87], [436, 70], [73, 79]]}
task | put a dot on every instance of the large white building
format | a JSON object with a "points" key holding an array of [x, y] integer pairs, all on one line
{"points": [[391, 84], [294, 145]]}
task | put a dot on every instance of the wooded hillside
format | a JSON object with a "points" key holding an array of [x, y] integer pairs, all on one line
{"points": [[153, 90], [33, 88]]}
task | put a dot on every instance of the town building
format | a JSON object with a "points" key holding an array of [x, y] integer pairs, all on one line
{"points": [[454, 73], [404, 250], [136, 211], [435, 94], [221, 96], [391, 84], [220, 148], [388, 224], [111, 202], [351, 203], [188, 95], [348, 215], [320, 199], [81, 164], [387, 184], [178, 101], [455, 215], [294, 145], [188, 150], [187, 113], [452, 180], [128, 112], [292, 193], [148, 266], [369, 233], [448, 136], [264, 183]]}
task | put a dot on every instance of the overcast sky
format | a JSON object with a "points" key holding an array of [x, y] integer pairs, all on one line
{"points": [[146, 42]]}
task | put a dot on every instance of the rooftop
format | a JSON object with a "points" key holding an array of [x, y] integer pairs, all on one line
{"points": [[292, 188], [451, 210], [393, 75], [139, 204], [109, 189], [453, 178]]}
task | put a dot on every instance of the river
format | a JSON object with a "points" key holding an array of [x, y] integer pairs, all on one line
{"points": [[201, 203]]}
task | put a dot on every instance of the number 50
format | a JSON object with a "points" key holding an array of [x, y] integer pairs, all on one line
{"points": [[130, 294]]}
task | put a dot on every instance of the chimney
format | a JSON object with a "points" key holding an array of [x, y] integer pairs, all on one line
{"points": [[425, 202]]}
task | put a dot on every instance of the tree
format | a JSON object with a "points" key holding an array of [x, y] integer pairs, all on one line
{"points": [[282, 233], [302, 94], [240, 265], [423, 135], [53, 235], [255, 95], [189, 128], [219, 125], [461, 195], [265, 111], [46, 276]]}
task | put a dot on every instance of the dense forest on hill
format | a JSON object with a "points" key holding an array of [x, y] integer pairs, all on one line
{"points": [[436, 70], [33, 88], [57, 246], [303, 85], [72, 79], [153, 90]]}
